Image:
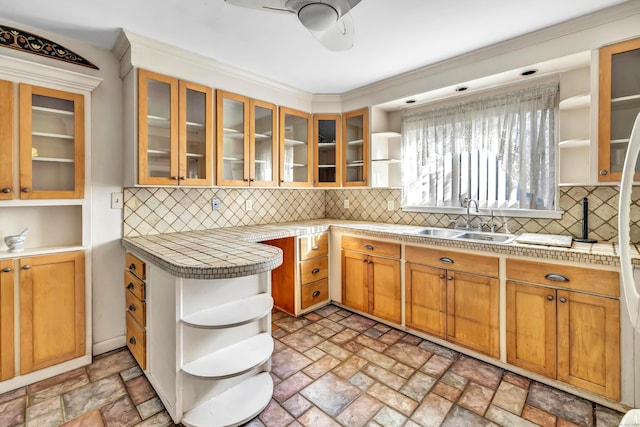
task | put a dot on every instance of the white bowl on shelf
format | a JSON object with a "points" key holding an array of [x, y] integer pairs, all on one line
{"points": [[16, 243]]}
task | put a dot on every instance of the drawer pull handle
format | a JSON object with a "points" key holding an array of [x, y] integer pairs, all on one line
{"points": [[130, 286], [132, 307], [26, 267], [364, 260], [315, 247], [132, 340], [450, 277], [368, 247], [6, 270], [563, 300], [315, 271], [442, 276], [550, 297], [6, 190], [556, 277], [26, 190], [132, 267], [315, 294], [446, 259]]}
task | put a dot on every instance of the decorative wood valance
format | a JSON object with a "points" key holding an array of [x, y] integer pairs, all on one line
{"points": [[14, 38]]}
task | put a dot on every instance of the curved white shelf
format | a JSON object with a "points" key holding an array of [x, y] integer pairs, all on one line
{"points": [[386, 134], [52, 135], [51, 111], [574, 143], [235, 406], [232, 314], [578, 101], [233, 360]]}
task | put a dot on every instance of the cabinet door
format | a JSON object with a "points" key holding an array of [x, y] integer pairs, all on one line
{"points": [[51, 144], [52, 310], [263, 164], [531, 328], [619, 104], [6, 140], [355, 292], [157, 129], [473, 312], [327, 150], [283, 278], [355, 148], [7, 351], [589, 342], [195, 144], [385, 299], [232, 112], [295, 150], [426, 299]]}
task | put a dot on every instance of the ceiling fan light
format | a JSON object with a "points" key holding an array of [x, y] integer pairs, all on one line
{"points": [[318, 16]]}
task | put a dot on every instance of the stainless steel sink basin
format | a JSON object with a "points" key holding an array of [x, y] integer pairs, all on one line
{"points": [[486, 237], [439, 232]]}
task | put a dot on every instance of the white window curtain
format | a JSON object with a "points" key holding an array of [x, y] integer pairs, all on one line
{"points": [[498, 150]]}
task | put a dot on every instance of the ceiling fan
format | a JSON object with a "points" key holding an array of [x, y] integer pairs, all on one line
{"points": [[327, 20]]}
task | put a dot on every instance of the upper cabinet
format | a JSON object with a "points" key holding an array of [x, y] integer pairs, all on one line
{"points": [[327, 145], [355, 149], [175, 131], [295, 152], [246, 141], [51, 144], [619, 104]]}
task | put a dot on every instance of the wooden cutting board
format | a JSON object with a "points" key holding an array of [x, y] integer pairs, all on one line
{"points": [[545, 239]]}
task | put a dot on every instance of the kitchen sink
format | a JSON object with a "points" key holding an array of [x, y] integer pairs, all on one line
{"points": [[486, 237], [439, 232]]}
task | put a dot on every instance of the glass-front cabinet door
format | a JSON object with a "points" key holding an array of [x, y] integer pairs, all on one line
{"points": [[157, 129], [619, 104], [196, 134], [355, 148], [295, 153], [232, 112], [327, 129], [51, 144], [263, 144]]}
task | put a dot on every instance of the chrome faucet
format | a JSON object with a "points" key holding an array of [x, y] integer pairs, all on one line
{"points": [[469, 201]]}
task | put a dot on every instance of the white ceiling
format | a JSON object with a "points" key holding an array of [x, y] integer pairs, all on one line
{"points": [[392, 36]]}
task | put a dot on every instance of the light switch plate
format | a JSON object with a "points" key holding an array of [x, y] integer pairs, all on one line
{"points": [[248, 205], [346, 203], [390, 205], [215, 204], [117, 201]]}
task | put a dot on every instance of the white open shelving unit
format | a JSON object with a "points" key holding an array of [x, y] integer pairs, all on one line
{"points": [[386, 149]]}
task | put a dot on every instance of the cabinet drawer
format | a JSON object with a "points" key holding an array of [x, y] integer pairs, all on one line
{"points": [[470, 263], [314, 293], [565, 276], [136, 308], [136, 266], [314, 269], [314, 246], [134, 285], [372, 247], [137, 341]]}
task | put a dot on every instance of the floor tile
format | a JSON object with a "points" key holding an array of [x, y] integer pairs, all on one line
{"points": [[275, 415], [334, 350], [330, 324], [357, 322], [121, 413], [373, 333], [561, 404], [12, 412], [46, 407], [161, 419], [150, 407], [510, 397], [140, 390], [58, 389], [379, 359], [397, 401], [391, 337], [371, 343], [516, 379], [344, 336], [330, 393], [131, 373], [461, 417], [291, 386], [436, 366], [606, 417], [90, 419], [313, 353], [432, 411], [477, 371], [92, 396], [349, 367], [54, 381], [418, 386], [302, 340], [455, 380], [321, 367], [384, 376], [448, 392], [408, 354], [316, 418], [292, 324], [359, 412], [506, 418], [362, 381], [288, 362], [106, 365], [476, 398], [13, 394], [403, 370], [296, 405], [437, 349], [389, 418], [538, 416]]}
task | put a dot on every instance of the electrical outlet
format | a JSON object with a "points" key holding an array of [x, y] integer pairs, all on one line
{"points": [[346, 203], [390, 205], [215, 204], [117, 201], [248, 205]]}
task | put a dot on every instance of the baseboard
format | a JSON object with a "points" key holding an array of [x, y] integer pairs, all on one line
{"points": [[108, 345]]}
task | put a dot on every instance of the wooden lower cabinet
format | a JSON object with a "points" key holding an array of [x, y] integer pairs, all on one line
{"points": [[52, 310], [460, 307], [7, 346], [568, 335], [370, 283]]}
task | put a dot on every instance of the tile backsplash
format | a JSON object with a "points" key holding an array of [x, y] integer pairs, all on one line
{"points": [[152, 210]]}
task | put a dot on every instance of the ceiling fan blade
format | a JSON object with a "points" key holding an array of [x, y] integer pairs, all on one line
{"points": [[268, 5], [339, 37]]}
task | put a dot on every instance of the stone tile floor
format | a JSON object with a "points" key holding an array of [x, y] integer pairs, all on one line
{"points": [[330, 368]]}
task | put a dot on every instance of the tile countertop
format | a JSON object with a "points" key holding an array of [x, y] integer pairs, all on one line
{"points": [[235, 251]]}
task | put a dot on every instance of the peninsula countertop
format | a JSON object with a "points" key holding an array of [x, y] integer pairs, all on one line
{"points": [[236, 251]]}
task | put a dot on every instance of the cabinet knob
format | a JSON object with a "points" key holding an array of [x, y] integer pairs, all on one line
{"points": [[442, 276], [315, 271], [6, 190], [550, 297], [182, 178], [132, 307], [364, 260], [554, 277], [450, 277], [132, 267], [315, 247], [130, 286], [368, 247], [132, 340], [315, 294], [603, 172], [26, 190], [369, 262], [26, 267], [175, 178], [6, 270], [563, 300], [251, 179]]}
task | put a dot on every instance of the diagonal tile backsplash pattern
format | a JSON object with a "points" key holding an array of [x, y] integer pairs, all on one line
{"points": [[154, 210]]}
